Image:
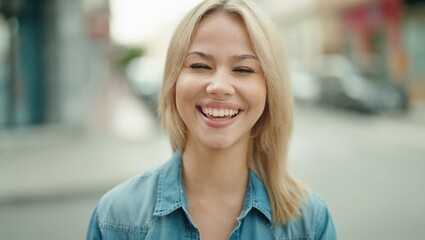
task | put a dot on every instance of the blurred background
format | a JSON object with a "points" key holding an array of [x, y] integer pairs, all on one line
{"points": [[79, 83]]}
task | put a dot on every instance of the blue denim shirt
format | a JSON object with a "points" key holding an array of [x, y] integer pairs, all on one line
{"points": [[154, 206]]}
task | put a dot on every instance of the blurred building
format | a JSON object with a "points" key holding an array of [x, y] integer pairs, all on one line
{"points": [[386, 34], [387, 28], [414, 39], [53, 54]]}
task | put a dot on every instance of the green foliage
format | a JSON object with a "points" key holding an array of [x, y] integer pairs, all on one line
{"points": [[125, 55]]}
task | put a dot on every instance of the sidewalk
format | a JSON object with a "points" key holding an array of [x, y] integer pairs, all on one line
{"points": [[48, 162], [416, 115]]}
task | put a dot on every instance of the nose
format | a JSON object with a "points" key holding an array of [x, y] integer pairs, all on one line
{"points": [[220, 85]]}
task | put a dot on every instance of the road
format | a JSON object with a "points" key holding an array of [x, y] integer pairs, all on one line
{"points": [[64, 219], [369, 169]]}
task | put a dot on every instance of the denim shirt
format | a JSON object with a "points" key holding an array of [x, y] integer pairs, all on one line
{"points": [[153, 205]]}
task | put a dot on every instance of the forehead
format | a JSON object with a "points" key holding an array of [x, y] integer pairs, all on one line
{"points": [[223, 30]]}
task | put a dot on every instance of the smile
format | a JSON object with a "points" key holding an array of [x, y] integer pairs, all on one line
{"points": [[215, 112]]}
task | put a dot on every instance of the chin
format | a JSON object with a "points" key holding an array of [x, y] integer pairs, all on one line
{"points": [[220, 143], [220, 147]]}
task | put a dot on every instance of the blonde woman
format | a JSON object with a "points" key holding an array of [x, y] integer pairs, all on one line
{"points": [[227, 106]]}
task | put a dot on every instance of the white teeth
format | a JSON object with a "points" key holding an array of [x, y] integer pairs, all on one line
{"points": [[215, 112], [219, 112]]}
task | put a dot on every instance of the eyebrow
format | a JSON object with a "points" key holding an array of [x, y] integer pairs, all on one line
{"points": [[245, 56], [200, 54], [208, 56]]}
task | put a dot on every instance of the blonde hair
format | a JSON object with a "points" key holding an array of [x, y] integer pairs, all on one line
{"points": [[271, 133]]}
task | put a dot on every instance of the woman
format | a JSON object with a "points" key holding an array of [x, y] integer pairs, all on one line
{"points": [[227, 107]]}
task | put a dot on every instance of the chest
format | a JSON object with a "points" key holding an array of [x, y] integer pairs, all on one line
{"points": [[178, 225], [214, 219]]}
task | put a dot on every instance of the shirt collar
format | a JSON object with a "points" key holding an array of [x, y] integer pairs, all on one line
{"points": [[171, 195], [256, 197]]}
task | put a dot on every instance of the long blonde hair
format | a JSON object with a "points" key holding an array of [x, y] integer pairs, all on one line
{"points": [[270, 135]]}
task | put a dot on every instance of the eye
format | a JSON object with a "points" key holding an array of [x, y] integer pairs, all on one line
{"points": [[245, 70], [199, 66]]}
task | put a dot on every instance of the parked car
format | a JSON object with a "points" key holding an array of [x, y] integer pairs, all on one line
{"points": [[305, 87], [343, 85], [145, 78]]}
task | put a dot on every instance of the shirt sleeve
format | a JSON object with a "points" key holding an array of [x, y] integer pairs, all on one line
{"points": [[93, 230], [325, 228]]}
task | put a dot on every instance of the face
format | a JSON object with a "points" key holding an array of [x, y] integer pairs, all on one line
{"points": [[221, 90]]}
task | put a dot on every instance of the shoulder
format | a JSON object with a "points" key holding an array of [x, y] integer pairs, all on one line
{"points": [[316, 217], [137, 191], [313, 222], [313, 205], [132, 201]]}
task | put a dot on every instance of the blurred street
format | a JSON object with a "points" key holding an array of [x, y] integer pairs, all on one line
{"points": [[370, 170]]}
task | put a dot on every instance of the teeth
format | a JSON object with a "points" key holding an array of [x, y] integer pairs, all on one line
{"points": [[219, 112]]}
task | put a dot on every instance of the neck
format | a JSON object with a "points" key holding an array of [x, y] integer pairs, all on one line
{"points": [[213, 171]]}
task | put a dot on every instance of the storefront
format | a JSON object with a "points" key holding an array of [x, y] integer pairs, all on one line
{"points": [[53, 56], [21, 88], [414, 38], [393, 30]]}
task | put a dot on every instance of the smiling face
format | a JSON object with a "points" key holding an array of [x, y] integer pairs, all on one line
{"points": [[221, 90]]}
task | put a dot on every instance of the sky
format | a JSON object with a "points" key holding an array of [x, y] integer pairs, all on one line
{"points": [[135, 21]]}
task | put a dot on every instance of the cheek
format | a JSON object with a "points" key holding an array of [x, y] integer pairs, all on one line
{"points": [[185, 90], [188, 87], [258, 93], [259, 99], [180, 94], [184, 85]]}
